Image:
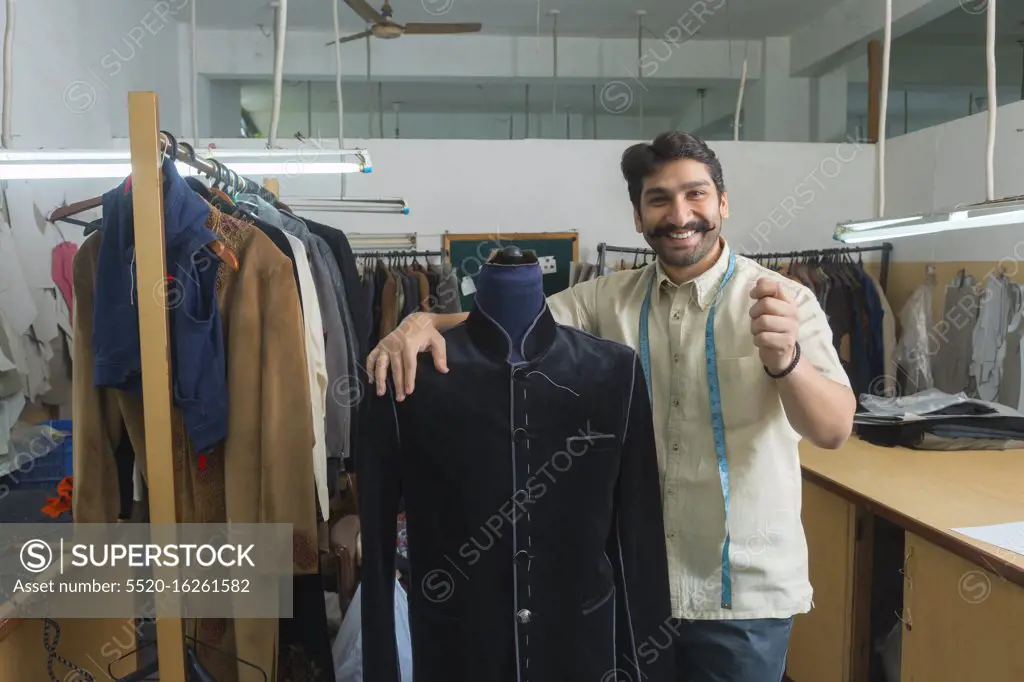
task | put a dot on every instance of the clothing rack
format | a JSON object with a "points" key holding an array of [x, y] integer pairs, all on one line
{"points": [[234, 183], [398, 254], [224, 176], [886, 248]]}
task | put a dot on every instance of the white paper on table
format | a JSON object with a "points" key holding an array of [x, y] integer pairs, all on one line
{"points": [[1008, 536]]}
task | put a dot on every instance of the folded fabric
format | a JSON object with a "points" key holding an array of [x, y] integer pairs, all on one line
{"points": [[56, 506]]}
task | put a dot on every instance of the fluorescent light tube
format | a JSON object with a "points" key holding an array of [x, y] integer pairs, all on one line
{"points": [[64, 171], [301, 155], [990, 214]]}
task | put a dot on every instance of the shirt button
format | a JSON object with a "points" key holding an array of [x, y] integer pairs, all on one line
{"points": [[675, 358], [519, 435], [524, 616], [675, 315], [675, 446], [675, 403]]}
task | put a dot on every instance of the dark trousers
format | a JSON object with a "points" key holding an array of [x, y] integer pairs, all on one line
{"points": [[732, 650]]}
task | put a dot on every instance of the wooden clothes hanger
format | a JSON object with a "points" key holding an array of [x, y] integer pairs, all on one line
{"points": [[64, 213]]}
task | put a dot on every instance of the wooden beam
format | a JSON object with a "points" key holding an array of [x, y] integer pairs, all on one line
{"points": [[148, 213], [874, 88]]}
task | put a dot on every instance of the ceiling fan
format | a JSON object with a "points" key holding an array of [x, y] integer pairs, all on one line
{"points": [[383, 27]]}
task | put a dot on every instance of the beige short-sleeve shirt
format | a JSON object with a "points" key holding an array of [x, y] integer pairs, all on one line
{"points": [[768, 551]]}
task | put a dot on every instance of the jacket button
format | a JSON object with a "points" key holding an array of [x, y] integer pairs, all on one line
{"points": [[524, 616], [519, 435]]}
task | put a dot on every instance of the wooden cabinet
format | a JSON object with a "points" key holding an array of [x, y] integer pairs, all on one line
{"points": [[875, 517], [820, 645], [961, 622]]}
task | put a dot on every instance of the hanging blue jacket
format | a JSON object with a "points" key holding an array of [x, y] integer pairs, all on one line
{"points": [[198, 367]]}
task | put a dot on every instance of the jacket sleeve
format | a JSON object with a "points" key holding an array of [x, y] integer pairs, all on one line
{"points": [[97, 424], [378, 479], [636, 547]]}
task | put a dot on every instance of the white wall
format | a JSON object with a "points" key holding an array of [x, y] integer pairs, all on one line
{"points": [[942, 167], [782, 196], [75, 64]]}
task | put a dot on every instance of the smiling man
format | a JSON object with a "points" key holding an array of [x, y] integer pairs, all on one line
{"points": [[740, 366]]}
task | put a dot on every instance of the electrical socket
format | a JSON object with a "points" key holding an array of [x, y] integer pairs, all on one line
{"points": [[548, 266]]}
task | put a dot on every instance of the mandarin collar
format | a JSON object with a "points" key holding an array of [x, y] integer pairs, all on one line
{"points": [[493, 341]]}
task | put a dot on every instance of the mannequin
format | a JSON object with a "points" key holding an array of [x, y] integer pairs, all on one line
{"points": [[510, 290], [529, 477]]}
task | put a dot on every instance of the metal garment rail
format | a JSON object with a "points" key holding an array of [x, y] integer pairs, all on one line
{"points": [[883, 277], [397, 254], [227, 178]]}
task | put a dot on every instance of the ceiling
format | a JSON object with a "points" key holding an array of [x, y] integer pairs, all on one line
{"points": [[602, 18], [966, 24], [424, 97]]}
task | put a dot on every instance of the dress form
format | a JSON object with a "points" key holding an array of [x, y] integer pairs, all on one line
{"points": [[510, 290]]}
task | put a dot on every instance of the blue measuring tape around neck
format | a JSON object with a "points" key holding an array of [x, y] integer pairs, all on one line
{"points": [[715, 394]]}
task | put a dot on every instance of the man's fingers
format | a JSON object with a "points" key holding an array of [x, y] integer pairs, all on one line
{"points": [[772, 341], [371, 362], [398, 372], [409, 369], [439, 350], [770, 306], [766, 287], [380, 371], [770, 323]]}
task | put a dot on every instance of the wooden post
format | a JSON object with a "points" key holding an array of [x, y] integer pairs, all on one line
{"points": [[148, 210], [874, 88]]}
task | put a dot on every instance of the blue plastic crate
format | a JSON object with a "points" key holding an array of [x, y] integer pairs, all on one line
{"points": [[50, 469]]}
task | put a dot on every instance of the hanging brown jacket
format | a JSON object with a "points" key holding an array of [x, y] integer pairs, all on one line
{"points": [[262, 472]]}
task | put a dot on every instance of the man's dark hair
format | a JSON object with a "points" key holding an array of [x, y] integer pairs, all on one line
{"points": [[641, 160]]}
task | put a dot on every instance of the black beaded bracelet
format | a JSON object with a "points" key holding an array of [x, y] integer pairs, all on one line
{"points": [[792, 365]]}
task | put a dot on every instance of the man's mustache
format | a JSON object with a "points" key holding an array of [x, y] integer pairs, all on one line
{"points": [[698, 224]]}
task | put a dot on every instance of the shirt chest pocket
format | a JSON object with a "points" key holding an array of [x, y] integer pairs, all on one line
{"points": [[749, 396]]}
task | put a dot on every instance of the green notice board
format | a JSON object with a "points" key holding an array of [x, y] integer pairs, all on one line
{"points": [[468, 252]]}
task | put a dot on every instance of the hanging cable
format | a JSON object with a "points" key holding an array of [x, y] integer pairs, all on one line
{"points": [[5, 127], [195, 76], [882, 108], [554, 69], [739, 102], [990, 147], [337, 85], [640, 14], [280, 28]]}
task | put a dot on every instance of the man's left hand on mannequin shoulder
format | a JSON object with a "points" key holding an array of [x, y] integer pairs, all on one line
{"points": [[819, 409]]}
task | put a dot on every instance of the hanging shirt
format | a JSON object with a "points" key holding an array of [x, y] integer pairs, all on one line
{"points": [[1010, 380], [768, 555], [62, 268], [913, 349], [316, 361], [989, 337], [954, 337]]}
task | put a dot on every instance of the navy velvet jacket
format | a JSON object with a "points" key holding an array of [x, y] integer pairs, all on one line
{"points": [[536, 540]]}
